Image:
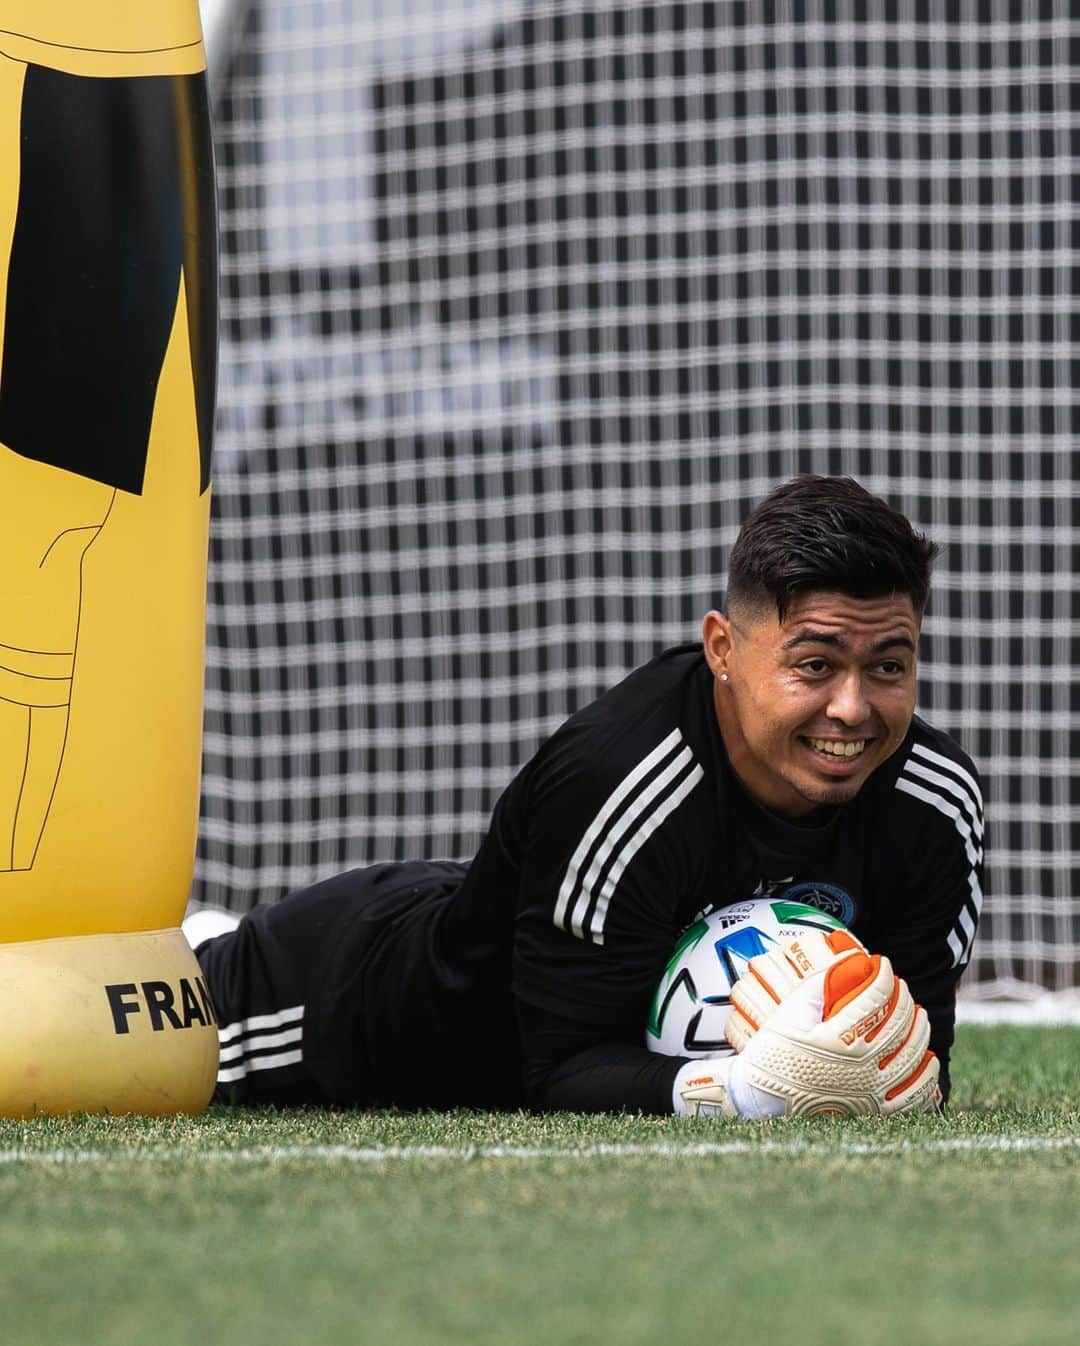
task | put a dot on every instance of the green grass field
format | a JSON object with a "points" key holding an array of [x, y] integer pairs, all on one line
{"points": [[316, 1227]]}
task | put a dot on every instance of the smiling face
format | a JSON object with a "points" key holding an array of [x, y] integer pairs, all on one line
{"points": [[810, 706]]}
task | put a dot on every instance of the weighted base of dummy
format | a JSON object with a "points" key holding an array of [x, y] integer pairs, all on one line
{"points": [[105, 1023]]}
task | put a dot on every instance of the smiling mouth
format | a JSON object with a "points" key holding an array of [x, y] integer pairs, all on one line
{"points": [[838, 750]]}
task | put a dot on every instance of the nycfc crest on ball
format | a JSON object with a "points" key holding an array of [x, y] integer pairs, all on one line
{"points": [[693, 998]]}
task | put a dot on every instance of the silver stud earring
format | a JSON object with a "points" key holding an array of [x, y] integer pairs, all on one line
{"points": [[723, 677]]}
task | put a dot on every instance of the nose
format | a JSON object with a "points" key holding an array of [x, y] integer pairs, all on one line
{"points": [[848, 703]]}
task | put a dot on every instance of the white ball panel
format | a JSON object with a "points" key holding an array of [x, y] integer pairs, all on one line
{"points": [[692, 1000]]}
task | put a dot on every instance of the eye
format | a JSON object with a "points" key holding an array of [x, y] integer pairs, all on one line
{"points": [[816, 667], [892, 668]]}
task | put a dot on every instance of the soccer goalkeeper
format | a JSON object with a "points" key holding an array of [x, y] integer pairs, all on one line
{"points": [[781, 755]]}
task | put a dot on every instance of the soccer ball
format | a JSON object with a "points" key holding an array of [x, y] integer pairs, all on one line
{"points": [[693, 998]]}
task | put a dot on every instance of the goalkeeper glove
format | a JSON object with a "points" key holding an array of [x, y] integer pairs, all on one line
{"points": [[821, 1027], [771, 977]]}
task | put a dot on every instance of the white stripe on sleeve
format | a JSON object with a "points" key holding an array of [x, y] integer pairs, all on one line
{"points": [[644, 832], [615, 836], [962, 935], [954, 769], [950, 810], [611, 805], [952, 788]]}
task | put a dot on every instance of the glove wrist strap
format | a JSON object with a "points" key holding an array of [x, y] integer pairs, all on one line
{"points": [[718, 1087]]}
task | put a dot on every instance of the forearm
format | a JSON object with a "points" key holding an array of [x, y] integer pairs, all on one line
{"points": [[571, 1066], [612, 1077], [942, 1016], [937, 995]]}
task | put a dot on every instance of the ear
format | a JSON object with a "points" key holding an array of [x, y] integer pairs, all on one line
{"points": [[716, 637]]}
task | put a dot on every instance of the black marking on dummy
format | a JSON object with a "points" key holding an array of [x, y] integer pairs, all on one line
{"points": [[115, 196]]}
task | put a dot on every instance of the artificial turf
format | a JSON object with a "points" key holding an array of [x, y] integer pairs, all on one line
{"points": [[309, 1226]]}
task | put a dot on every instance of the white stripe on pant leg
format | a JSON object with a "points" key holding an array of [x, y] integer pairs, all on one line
{"points": [[259, 1063], [236, 1051], [258, 1022]]}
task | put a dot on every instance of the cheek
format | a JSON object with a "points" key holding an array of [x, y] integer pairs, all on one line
{"points": [[780, 703], [897, 709], [794, 696]]}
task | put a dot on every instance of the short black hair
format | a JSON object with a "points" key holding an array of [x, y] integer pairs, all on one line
{"points": [[826, 533]]}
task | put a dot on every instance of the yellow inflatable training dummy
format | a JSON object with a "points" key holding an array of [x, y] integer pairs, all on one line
{"points": [[108, 276]]}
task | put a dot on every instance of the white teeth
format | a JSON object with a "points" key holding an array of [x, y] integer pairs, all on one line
{"points": [[835, 749]]}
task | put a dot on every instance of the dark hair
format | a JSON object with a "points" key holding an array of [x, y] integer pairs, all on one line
{"points": [[826, 533]]}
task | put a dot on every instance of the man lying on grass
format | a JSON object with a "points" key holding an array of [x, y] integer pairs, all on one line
{"points": [[779, 756]]}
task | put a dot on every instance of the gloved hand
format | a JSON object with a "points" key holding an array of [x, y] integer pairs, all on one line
{"points": [[820, 1026]]}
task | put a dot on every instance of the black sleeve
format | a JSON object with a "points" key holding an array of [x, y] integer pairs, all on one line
{"points": [[603, 872], [930, 923], [568, 1070], [602, 891]]}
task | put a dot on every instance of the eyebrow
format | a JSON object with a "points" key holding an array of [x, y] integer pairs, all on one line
{"points": [[827, 638]]}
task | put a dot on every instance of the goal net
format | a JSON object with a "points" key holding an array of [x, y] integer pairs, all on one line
{"points": [[525, 304]]}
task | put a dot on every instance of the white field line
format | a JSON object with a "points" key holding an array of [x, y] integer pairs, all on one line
{"points": [[1050, 1011], [384, 1154]]}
